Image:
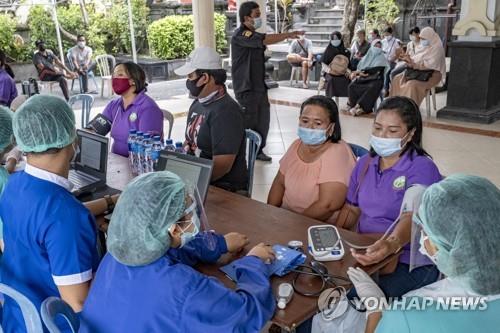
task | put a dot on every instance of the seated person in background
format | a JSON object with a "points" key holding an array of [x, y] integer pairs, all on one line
{"points": [[49, 236], [377, 188], [8, 90], [367, 81], [300, 54], [314, 173], [390, 46], [412, 48], [459, 232], [134, 109], [336, 77], [215, 128], [81, 56], [430, 59], [50, 68], [147, 277], [359, 48]]}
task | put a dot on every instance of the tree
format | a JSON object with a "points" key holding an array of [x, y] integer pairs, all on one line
{"points": [[382, 13], [351, 12]]}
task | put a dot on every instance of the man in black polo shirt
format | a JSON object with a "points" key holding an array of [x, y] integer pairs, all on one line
{"points": [[215, 127], [248, 70], [50, 68]]}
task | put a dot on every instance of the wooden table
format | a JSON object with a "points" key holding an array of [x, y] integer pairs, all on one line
{"points": [[229, 212]]}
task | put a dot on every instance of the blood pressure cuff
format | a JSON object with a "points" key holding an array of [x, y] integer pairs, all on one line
{"points": [[286, 260], [100, 124]]}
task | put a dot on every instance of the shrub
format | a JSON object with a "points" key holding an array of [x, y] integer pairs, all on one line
{"points": [[173, 37], [7, 29], [382, 13]]}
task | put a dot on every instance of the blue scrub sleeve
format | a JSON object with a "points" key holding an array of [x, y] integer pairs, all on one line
{"points": [[206, 247], [393, 322], [211, 307], [71, 248]]}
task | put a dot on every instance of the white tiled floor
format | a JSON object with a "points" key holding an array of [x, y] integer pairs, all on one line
{"points": [[452, 151]]}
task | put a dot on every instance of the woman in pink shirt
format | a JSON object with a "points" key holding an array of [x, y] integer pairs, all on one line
{"points": [[314, 173]]}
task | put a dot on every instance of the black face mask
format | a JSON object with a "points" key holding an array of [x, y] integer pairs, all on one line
{"points": [[193, 89], [41, 48]]}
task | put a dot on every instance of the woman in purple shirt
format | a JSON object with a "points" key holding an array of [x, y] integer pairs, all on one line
{"points": [[378, 184], [133, 109], [8, 90]]}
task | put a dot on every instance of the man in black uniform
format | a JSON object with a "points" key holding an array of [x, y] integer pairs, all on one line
{"points": [[248, 70]]}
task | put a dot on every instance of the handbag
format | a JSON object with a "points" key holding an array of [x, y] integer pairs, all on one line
{"points": [[418, 75], [369, 78], [348, 216], [339, 65]]}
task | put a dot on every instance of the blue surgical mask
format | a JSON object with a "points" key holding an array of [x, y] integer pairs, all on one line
{"points": [[257, 23], [335, 42], [424, 42], [385, 147], [424, 251], [311, 137]]}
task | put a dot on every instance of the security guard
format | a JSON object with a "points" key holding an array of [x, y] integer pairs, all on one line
{"points": [[248, 69]]}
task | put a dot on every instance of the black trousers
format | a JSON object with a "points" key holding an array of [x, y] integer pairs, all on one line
{"points": [[84, 79], [365, 94], [62, 83], [256, 112]]}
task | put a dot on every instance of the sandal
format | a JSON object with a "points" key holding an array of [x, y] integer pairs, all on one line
{"points": [[346, 109], [357, 111]]}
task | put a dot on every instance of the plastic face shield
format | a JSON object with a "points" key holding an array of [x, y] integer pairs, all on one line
{"points": [[417, 259]]}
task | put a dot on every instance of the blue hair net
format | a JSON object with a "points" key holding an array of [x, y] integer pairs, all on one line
{"points": [[5, 128], [138, 232], [44, 122], [461, 215]]}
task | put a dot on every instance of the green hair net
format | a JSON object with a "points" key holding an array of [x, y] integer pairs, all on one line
{"points": [[5, 128], [44, 122], [460, 215], [138, 231]]}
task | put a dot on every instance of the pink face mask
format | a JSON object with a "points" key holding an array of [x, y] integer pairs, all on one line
{"points": [[120, 85]]}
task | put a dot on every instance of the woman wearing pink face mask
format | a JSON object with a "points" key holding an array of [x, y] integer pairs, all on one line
{"points": [[133, 109]]}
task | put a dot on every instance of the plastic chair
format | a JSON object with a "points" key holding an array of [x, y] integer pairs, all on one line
{"points": [[295, 75], [87, 102], [30, 314], [90, 74], [254, 140], [431, 93], [106, 63], [168, 116], [54, 306], [358, 151]]}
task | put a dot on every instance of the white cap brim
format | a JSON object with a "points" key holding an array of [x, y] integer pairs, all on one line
{"points": [[185, 70]]}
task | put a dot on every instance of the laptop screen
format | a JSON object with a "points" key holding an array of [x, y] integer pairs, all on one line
{"points": [[192, 170], [93, 153]]}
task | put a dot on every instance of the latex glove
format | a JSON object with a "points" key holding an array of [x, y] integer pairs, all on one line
{"points": [[15, 154], [365, 287]]}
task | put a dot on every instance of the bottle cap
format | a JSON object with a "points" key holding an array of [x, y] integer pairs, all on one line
{"points": [[178, 144], [132, 131], [295, 245], [281, 303]]}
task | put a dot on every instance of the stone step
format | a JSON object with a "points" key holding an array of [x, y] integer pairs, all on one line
{"points": [[325, 20], [318, 35], [320, 42], [328, 28], [329, 13]]}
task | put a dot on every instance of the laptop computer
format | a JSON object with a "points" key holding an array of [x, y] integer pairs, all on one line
{"points": [[192, 170], [88, 172]]}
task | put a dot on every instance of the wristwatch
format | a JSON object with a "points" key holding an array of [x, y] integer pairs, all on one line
{"points": [[110, 203]]}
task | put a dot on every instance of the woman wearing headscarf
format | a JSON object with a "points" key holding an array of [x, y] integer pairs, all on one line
{"points": [[146, 282], [336, 85], [431, 60], [367, 81], [459, 231]]}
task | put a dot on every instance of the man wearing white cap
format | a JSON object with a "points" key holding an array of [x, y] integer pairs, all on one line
{"points": [[215, 128]]}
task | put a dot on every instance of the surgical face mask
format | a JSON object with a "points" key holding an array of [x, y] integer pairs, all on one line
{"points": [[425, 42], [385, 147], [335, 42], [188, 236], [193, 89], [257, 23], [311, 136], [41, 48], [388, 38], [120, 85], [81, 44], [424, 251], [413, 38]]}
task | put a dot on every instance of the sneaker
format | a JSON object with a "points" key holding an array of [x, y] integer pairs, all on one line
{"points": [[263, 157]]}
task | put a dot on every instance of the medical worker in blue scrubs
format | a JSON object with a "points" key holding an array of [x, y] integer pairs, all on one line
{"points": [[6, 138], [146, 282], [49, 236]]}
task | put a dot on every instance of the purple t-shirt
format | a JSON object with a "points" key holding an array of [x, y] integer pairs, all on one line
{"points": [[8, 90], [381, 193], [143, 115]]}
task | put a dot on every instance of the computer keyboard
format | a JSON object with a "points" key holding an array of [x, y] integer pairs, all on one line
{"points": [[80, 179]]}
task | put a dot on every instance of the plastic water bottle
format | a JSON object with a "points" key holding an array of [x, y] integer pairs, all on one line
{"points": [[146, 153], [132, 136], [155, 155], [169, 145], [139, 149], [285, 294], [179, 148]]}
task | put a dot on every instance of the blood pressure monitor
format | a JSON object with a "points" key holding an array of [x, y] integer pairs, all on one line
{"points": [[325, 243]]}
